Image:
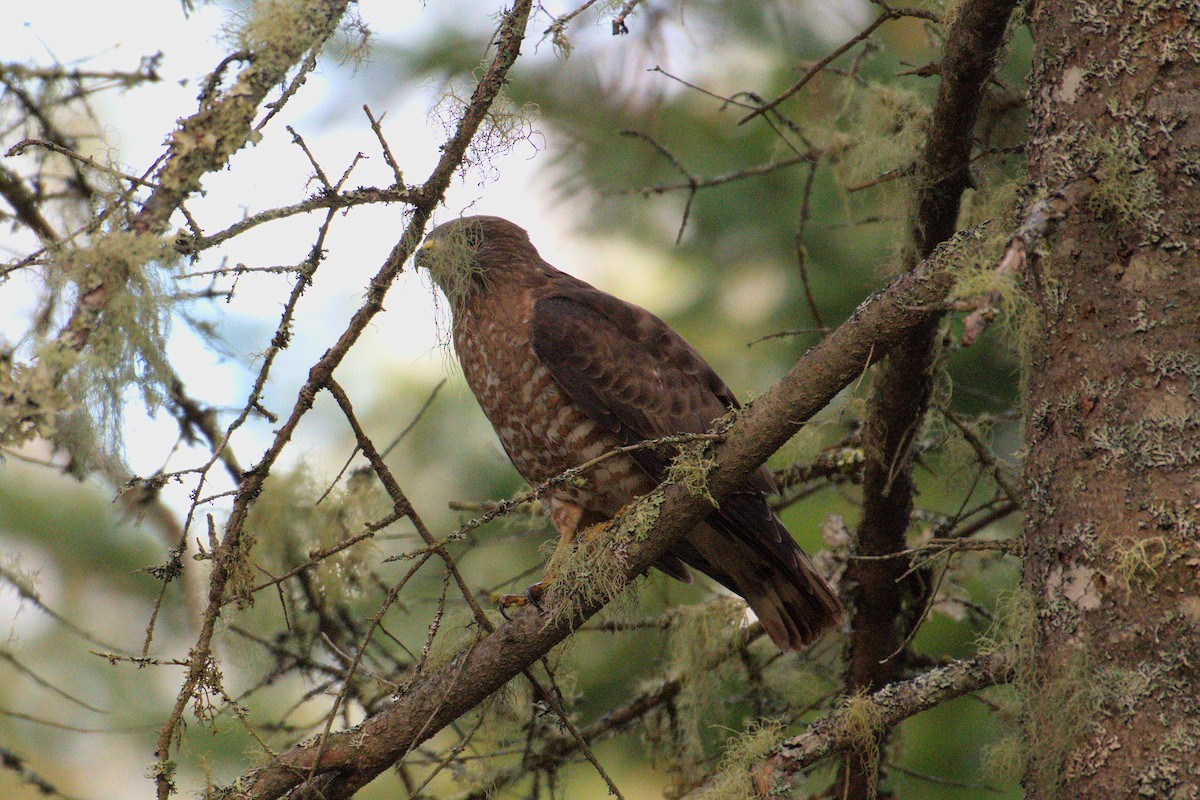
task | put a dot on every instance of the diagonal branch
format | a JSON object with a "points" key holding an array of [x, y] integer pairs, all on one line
{"points": [[888, 707], [353, 757]]}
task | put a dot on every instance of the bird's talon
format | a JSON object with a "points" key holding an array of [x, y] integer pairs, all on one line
{"points": [[531, 597]]}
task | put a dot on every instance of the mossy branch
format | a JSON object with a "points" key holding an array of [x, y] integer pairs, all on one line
{"points": [[353, 757], [881, 710], [221, 126]]}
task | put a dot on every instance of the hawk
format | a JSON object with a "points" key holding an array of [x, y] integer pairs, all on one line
{"points": [[566, 373]]}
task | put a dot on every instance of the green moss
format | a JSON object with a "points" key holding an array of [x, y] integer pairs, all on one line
{"points": [[590, 575], [702, 641], [734, 777], [690, 470], [888, 127], [863, 722], [1128, 189], [288, 526], [450, 259]]}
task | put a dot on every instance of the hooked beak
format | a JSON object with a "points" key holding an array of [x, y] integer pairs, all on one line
{"points": [[423, 258]]}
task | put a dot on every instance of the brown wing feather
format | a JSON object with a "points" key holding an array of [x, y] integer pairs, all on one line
{"points": [[626, 369], [632, 374]]}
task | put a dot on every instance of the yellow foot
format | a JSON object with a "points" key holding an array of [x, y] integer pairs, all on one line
{"points": [[532, 597]]}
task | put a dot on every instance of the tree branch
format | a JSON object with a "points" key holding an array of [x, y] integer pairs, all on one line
{"points": [[355, 756], [889, 707], [886, 590]]}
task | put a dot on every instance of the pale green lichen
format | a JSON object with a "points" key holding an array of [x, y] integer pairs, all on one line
{"points": [[1057, 702], [888, 125], [1129, 190], [588, 574], [690, 469], [127, 347], [505, 126], [118, 287], [1159, 441], [278, 30], [734, 778], [862, 719], [1139, 559], [450, 258], [287, 527], [702, 638], [638, 518]]}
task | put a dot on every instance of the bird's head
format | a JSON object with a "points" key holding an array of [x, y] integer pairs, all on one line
{"points": [[468, 254]]}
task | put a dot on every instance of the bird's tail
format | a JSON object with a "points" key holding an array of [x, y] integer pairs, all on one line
{"points": [[794, 608], [794, 603]]}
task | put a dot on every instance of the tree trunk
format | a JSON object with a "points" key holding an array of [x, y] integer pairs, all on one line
{"points": [[1113, 433]]}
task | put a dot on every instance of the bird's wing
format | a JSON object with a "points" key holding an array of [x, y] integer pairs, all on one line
{"points": [[626, 369], [635, 376]]}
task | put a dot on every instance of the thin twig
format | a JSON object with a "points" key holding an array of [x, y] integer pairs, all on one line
{"points": [[816, 68]]}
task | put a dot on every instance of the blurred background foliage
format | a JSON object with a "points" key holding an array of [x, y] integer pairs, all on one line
{"points": [[600, 120]]}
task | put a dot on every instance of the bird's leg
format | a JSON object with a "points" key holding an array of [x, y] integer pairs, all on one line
{"points": [[565, 516]]}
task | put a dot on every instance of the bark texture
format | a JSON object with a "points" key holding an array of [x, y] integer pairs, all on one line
{"points": [[1113, 465]]}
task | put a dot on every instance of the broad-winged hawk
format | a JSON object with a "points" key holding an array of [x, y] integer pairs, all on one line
{"points": [[566, 372]]}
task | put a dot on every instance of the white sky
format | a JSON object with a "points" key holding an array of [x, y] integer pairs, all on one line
{"points": [[93, 36], [404, 339]]}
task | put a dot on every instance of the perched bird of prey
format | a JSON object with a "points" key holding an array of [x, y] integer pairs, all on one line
{"points": [[566, 372]]}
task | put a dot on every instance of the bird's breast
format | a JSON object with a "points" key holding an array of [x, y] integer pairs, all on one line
{"points": [[543, 431]]}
